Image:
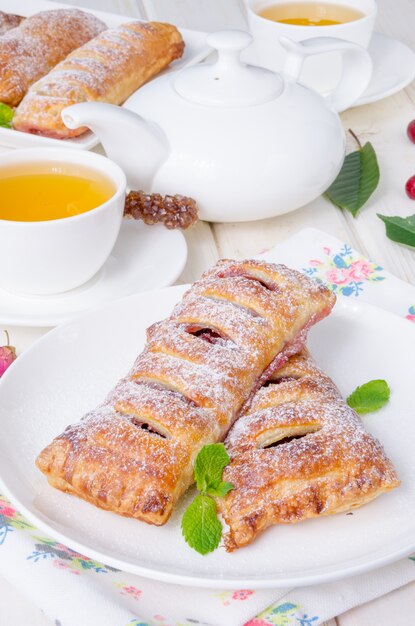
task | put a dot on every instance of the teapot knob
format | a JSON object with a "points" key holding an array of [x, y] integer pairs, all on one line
{"points": [[229, 44], [228, 81], [229, 40]]}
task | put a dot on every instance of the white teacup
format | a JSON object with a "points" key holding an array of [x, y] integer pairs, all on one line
{"points": [[321, 72], [53, 256]]}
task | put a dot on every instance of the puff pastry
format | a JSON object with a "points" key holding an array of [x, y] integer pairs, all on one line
{"points": [[9, 21], [38, 44], [299, 452], [134, 454], [107, 69]]}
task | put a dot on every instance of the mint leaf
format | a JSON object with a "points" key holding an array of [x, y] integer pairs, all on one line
{"points": [[400, 229], [200, 525], [369, 397], [209, 465], [357, 180], [221, 490], [6, 115]]}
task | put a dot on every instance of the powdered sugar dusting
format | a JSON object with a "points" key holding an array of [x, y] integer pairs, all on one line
{"points": [[183, 390], [107, 68], [9, 21], [333, 465], [29, 51]]}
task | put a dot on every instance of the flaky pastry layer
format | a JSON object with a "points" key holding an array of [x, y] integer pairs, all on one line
{"points": [[299, 452], [134, 455], [31, 50], [109, 68]]}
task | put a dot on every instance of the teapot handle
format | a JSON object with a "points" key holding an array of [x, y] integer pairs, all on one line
{"points": [[356, 70]]}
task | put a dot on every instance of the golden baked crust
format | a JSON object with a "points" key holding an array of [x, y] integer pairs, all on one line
{"points": [[9, 21], [134, 455], [331, 465], [107, 69], [29, 51]]}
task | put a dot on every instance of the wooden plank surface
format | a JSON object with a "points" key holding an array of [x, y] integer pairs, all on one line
{"points": [[384, 125]]}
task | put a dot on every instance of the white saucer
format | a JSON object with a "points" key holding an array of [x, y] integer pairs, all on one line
{"points": [[393, 68], [144, 258]]}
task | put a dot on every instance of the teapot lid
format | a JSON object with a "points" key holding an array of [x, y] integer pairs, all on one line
{"points": [[228, 82]]}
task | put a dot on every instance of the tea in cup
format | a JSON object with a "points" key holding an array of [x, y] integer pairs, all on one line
{"points": [[310, 13], [350, 20], [60, 215]]}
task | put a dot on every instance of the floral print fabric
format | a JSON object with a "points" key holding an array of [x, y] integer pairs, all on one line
{"points": [[73, 589], [344, 271]]}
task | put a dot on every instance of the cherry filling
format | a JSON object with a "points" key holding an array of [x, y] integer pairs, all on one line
{"points": [[278, 381], [210, 335], [147, 427], [290, 348]]}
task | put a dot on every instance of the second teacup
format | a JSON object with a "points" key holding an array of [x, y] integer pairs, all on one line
{"points": [[321, 73]]}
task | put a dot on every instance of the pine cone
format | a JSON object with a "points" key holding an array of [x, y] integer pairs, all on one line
{"points": [[152, 208]]}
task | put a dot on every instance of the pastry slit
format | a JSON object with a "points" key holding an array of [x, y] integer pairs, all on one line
{"points": [[281, 436], [182, 385], [279, 381], [301, 452], [149, 427], [250, 311], [267, 284], [208, 333], [163, 386]]}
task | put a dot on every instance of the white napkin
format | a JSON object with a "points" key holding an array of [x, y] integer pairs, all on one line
{"points": [[73, 590]]}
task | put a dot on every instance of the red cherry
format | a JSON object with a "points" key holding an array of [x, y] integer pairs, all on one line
{"points": [[410, 187], [410, 131]]}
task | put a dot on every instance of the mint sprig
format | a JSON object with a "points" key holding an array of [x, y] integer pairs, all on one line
{"points": [[357, 180], [201, 527], [6, 115], [369, 397], [209, 465], [400, 229]]}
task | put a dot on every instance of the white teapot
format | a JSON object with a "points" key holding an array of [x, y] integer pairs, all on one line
{"points": [[244, 142]]}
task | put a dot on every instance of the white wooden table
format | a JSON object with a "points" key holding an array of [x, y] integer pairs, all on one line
{"points": [[384, 124]]}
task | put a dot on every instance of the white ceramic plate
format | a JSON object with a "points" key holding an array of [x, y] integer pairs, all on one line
{"points": [[72, 368], [194, 40], [143, 258]]}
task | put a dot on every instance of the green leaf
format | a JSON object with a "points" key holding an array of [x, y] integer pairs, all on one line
{"points": [[400, 229], [221, 490], [357, 180], [201, 527], [369, 397], [209, 466], [6, 115]]}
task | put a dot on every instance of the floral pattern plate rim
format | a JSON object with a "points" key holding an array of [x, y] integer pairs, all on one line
{"points": [[44, 392]]}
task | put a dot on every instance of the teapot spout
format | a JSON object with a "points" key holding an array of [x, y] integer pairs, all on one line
{"points": [[137, 145]]}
